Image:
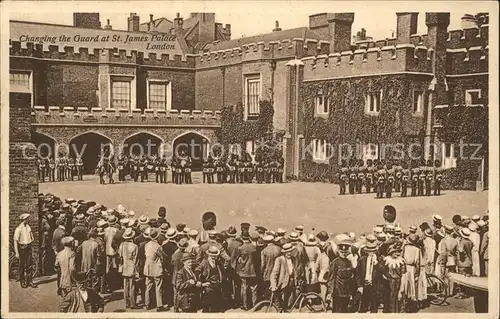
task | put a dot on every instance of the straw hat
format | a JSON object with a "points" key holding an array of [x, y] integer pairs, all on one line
{"points": [[171, 233], [287, 248], [128, 233], [293, 236], [311, 240], [24, 216], [213, 251]]}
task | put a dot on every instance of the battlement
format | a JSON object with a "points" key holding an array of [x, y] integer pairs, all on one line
{"points": [[372, 61], [288, 48], [103, 55], [470, 37], [68, 115]]}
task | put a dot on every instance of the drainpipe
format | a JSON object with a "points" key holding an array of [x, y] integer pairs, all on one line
{"points": [[223, 71]]}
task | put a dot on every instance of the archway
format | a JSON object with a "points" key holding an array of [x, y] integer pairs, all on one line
{"points": [[193, 145], [142, 143], [45, 145], [91, 146]]}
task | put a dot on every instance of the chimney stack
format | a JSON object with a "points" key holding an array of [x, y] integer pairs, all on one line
{"points": [[178, 22], [228, 29], [133, 23], [340, 27], [277, 26], [406, 26], [468, 21], [108, 26]]}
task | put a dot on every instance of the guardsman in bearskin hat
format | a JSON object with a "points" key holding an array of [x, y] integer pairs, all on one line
{"points": [[58, 169], [437, 177], [353, 176], [41, 169], [343, 177], [360, 177], [259, 168], [421, 180], [390, 180], [50, 169], [381, 181], [187, 171], [405, 176], [415, 173], [79, 168], [369, 176], [143, 168], [219, 168], [376, 164], [267, 170], [429, 178], [398, 175], [121, 168], [231, 165], [163, 170], [156, 167], [62, 168]]}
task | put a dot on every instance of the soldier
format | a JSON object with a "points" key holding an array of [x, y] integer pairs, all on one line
{"points": [[376, 164], [79, 168], [437, 178], [390, 181], [211, 170], [398, 176], [343, 177], [174, 170], [121, 169], [429, 178], [381, 181], [163, 170], [187, 171], [205, 167], [251, 171], [58, 169], [41, 170], [361, 177], [150, 166], [259, 171], [421, 181], [415, 172], [62, 168], [71, 168], [281, 169], [405, 176], [111, 170], [231, 165], [101, 170], [134, 169], [143, 168], [67, 167], [181, 167], [50, 170], [219, 167], [369, 176], [267, 170], [157, 164], [352, 178]]}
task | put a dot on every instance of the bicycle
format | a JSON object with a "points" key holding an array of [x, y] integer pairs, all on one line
{"points": [[437, 290], [305, 301]]}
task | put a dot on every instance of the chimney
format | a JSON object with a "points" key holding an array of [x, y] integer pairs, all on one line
{"points": [[178, 22], [108, 26], [133, 22], [468, 21], [150, 18], [406, 26], [88, 20], [277, 26], [228, 30], [340, 25]]}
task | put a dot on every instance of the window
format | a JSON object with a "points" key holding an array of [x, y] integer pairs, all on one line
{"points": [[250, 147], [252, 95], [373, 102], [370, 151], [21, 82], [321, 104], [122, 92], [418, 101], [320, 150], [473, 97], [449, 153], [159, 95]]}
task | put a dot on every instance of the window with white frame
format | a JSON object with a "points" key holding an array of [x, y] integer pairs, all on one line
{"points": [[373, 102], [449, 153], [250, 147], [252, 95], [159, 95], [370, 151], [320, 150], [321, 104], [473, 97], [122, 92], [21, 82], [418, 101]]}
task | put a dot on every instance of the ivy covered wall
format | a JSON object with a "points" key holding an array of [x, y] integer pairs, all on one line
{"points": [[347, 121]]}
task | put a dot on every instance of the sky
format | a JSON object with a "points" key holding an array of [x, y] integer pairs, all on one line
{"points": [[248, 18]]}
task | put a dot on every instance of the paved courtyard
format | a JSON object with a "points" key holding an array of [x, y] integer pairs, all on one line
{"points": [[315, 205]]}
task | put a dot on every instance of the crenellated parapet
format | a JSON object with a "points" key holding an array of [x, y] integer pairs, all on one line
{"points": [[283, 49], [103, 55], [372, 61], [470, 37], [68, 115]]}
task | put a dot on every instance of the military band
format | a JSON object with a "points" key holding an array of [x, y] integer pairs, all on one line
{"points": [[63, 168], [384, 178]]}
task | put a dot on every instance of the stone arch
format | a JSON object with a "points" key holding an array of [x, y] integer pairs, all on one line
{"points": [[193, 144], [143, 143], [90, 146], [45, 145]]}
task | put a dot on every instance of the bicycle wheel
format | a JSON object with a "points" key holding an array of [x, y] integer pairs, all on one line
{"points": [[437, 290], [13, 268], [265, 306], [312, 302]]}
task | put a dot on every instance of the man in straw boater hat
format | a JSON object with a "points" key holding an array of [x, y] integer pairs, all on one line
{"points": [[81, 298], [446, 261], [65, 265], [284, 277], [268, 256], [187, 286], [111, 260], [153, 271], [312, 252], [128, 252], [341, 279], [233, 244], [368, 275], [429, 250], [176, 262], [23, 238], [211, 278]]}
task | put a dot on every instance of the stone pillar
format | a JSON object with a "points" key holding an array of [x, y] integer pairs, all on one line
{"points": [[23, 183]]}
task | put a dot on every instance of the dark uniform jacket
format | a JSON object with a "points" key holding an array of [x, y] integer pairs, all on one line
{"points": [[187, 293], [341, 278]]}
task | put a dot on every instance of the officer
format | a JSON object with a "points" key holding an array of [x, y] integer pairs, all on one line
{"points": [[421, 181], [415, 173], [405, 176], [72, 168], [353, 179], [62, 168], [101, 169], [241, 170], [437, 178], [360, 177], [343, 177], [79, 168], [381, 181], [369, 176], [390, 181], [429, 178], [181, 167], [156, 168], [41, 170], [376, 164]]}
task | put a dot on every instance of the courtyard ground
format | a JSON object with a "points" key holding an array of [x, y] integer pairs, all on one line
{"points": [[315, 205]]}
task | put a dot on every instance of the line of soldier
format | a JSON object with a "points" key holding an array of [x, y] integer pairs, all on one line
{"points": [[243, 170], [63, 168], [384, 177]]}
